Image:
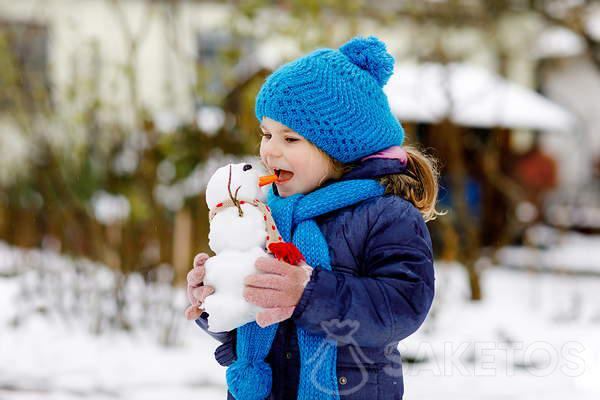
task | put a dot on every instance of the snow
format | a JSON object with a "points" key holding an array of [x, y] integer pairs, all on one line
{"points": [[554, 251], [237, 243], [110, 208], [166, 121], [210, 119], [567, 215], [557, 42], [48, 357], [532, 336], [127, 160], [166, 172], [592, 22], [59, 340], [226, 272], [16, 153], [470, 96]]}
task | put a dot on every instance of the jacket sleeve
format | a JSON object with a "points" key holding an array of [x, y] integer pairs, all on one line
{"points": [[391, 299], [222, 337], [225, 353]]}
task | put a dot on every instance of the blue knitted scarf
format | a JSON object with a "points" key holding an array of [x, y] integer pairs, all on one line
{"points": [[250, 377]]}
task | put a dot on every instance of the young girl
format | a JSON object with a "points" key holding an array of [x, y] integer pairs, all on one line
{"points": [[355, 203]]}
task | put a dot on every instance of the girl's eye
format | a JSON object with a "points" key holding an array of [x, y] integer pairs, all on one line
{"points": [[289, 139]]}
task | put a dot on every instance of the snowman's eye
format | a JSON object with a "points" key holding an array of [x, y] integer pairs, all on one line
{"points": [[247, 167]]}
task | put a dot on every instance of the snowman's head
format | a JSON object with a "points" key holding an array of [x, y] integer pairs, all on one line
{"points": [[241, 178]]}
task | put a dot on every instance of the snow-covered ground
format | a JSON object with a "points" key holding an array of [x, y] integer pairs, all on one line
{"points": [[533, 336], [59, 338]]}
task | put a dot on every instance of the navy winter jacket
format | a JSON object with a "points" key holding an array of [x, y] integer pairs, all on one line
{"points": [[382, 280]]}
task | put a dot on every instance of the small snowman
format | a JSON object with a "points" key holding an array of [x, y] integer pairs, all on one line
{"points": [[241, 230]]}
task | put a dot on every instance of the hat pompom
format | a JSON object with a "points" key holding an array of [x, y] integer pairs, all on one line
{"points": [[370, 54]]}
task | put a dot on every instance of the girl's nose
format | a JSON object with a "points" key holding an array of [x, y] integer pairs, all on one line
{"points": [[271, 149]]}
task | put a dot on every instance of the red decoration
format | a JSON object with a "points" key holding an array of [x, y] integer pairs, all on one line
{"points": [[286, 252], [220, 205]]}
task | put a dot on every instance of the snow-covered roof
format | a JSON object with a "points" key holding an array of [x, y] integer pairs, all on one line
{"points": [[592, 22], [557, 41], [470, 96]]}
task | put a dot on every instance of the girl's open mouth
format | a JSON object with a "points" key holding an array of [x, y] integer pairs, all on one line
{"points": [[283, 175], [280, 176]]}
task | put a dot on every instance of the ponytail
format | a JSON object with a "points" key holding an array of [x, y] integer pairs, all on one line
{"points": [[418, 184]]}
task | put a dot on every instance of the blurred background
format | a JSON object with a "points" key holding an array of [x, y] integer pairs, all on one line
{"points": [[114, 114]]}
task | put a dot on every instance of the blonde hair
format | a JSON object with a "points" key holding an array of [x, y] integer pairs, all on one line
{"points": [[418, 184]]}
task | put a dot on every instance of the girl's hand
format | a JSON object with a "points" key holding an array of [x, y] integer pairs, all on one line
{"points": [[196, 291], [278, 290]]}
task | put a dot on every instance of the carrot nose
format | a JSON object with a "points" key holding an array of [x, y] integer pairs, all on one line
{"points": [[265, 180]]}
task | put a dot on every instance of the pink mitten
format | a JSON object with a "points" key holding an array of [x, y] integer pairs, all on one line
{"points": [[278, 290], [196, 291]]}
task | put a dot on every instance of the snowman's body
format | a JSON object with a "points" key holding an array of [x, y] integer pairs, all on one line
{"points": [[227, 270], [237, 242], [227, 307]]}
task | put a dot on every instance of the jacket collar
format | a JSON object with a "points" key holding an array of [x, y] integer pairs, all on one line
{"points": [[375, 168], [367, 169]]}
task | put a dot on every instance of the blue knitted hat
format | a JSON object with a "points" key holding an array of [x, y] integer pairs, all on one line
{"points": [[334, 98]]}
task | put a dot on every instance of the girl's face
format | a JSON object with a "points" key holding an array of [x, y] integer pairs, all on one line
{"points": [[303, 167]]}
